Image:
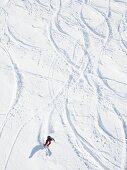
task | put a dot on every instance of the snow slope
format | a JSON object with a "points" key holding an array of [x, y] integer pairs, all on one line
{"points": [[63, 72]]}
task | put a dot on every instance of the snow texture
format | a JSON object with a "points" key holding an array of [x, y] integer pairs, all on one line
{"points": [[63, 72]]}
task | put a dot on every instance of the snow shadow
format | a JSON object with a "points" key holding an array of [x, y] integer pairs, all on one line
{"points": [[40, 146], [36, 149]]}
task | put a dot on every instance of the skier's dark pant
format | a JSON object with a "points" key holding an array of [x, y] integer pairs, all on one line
{"points": [[47, 143]]}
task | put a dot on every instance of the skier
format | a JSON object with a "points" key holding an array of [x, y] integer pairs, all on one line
{"points": [[48, 141]]}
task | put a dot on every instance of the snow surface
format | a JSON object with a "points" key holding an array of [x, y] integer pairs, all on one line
{"points": [[63, 72]]}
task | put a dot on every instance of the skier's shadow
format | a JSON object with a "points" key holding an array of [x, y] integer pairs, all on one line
{"points": [[39, 147], [36, 149]]}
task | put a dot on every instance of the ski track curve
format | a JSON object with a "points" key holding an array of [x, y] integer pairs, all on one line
{"points": [[15, 140], [57, 22], [108, 37], [82, 71], [90, 28], [83, 142], [105, 132], [109, 32], [19, 88], [52, 93], [121, 1], [10, 152], [99, 162], [119, 115], [121, 38], [20, 41], [109, 8], [107, 85], [43, 6], [78, 136], [98, 123], [75, 149], [61, 51]]}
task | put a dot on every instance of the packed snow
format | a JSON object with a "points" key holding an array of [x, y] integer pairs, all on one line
{"points": [[63, 73]]}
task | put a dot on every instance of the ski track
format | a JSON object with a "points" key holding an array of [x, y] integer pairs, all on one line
{"points": [[106, 41], [76, 133], [12, 147], [90, 28], [52, 94], [71, 81], [20, 41], [121, 38], [84, 142], [43, 6], [107, 86], [120, 1], [99, 125], [124, 161], [19, 83], [87, 146], [51, 90], [74, 130], [57, 18], [109, 9], [110, 136], [61, 51], [109, 34], [16, 137]]}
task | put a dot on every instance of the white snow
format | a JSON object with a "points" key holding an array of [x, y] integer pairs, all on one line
{"points": [[63, 72]]}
